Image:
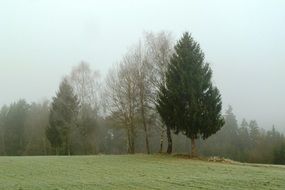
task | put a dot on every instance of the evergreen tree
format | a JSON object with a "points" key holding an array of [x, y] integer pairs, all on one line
{"points": [[3, 115], [229, 135], [189, 103], [165, 109], [63, 117], [14, 127], [53, 136], [279, 154], [244, 141], [37, 120], [244, 123], [231, 124], [254, 131]]}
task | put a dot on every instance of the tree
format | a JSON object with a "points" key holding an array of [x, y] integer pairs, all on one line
{"points": [[132, 86], [253, 131], [189, 103], [35, 128], [229, 135], [159, 50], [244, 141], [279, 154], [87, 123], [14, 127], [63, 117], [3, 115], [244, 123], [226, 141], [143, 85], [121, 97], [165, 109], [86, 85], [231, 125], [53, 135]]}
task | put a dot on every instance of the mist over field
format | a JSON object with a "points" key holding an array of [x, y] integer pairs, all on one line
{"points": [[164, 94], [243, 41]]}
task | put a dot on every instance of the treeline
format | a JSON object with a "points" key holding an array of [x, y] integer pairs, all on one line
{"points": [[144, 105], [23, 132], [246, 142]]}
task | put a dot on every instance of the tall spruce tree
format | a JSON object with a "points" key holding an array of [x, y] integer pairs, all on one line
{"points": [[189, 103], [63, 117]]}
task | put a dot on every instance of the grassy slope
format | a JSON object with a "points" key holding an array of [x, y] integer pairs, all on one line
{"points": [[133, 172]]}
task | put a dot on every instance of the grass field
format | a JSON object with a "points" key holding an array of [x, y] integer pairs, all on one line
{"points": [[133, 172]]}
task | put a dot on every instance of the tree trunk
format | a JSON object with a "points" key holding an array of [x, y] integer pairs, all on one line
{"points": [[3, 142], [145, 130], [161, 139], [56, 151], [86, 148], [142, 105], [193, 148], [45, 146], [69, 152], [129, 141], [147, 141], [132, 140], [169, 140], [68, 145]]}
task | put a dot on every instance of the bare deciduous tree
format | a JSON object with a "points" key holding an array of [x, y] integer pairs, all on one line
{"points": [[132, 87], [159, 49], [144, 74], [86, 85], [121, 97]]}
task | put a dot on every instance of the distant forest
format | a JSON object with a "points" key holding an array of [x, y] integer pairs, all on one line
{"points": [[133, 110]]}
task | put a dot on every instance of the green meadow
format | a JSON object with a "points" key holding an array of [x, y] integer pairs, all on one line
{"points": [[134, 172]]}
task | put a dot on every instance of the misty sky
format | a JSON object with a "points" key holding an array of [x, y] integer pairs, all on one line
{"points": [[41, 40]]}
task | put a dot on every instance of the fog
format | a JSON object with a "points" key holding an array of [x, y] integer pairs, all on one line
{"points": [[41, 40]]}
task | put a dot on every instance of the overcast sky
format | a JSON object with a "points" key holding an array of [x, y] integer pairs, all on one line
{"points": [[41, 40]]}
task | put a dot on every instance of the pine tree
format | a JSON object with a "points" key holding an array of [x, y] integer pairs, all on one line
{"points": [[54, 137], [189, 103], [14, 128], [63, 117], [165, 109]]}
